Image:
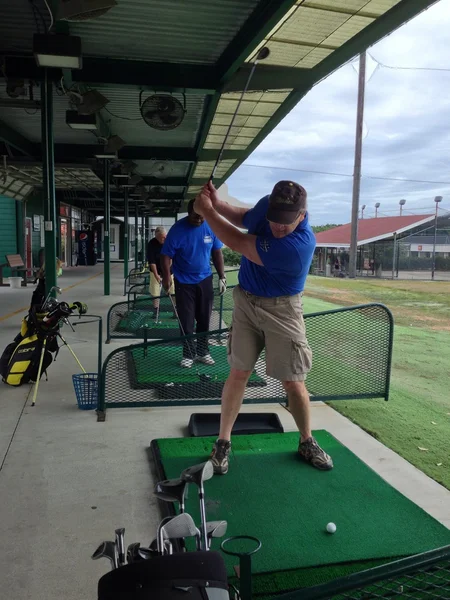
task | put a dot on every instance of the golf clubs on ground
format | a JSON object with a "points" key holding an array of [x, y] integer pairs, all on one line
{"points": [[171, 531]]}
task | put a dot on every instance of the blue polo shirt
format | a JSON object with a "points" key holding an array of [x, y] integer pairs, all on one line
{"points": [[286, 261], [190, 249]]}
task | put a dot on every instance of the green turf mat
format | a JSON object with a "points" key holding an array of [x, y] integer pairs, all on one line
{"points": [[162, 365], [270, 494], [137, 319]]}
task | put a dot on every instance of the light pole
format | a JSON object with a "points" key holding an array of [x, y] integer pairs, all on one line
{"points": [[402, 204], [377, 206], [363, 207], [437, 199]]}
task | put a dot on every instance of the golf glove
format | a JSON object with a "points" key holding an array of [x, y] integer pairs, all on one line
{"points": [[222, 286]]}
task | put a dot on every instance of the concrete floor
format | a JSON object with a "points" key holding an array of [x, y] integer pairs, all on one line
{"points": [[67, 482]]}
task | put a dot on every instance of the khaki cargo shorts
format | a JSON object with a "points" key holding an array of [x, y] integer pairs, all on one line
{"points": [[155, 288], [275, 324]]}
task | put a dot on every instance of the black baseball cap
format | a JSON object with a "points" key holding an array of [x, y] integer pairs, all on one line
{"points": [[286, 202]]}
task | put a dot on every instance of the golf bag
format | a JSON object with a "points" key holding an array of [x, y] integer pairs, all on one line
{"points": [[197, 575], [36, 346], [20, 360]]}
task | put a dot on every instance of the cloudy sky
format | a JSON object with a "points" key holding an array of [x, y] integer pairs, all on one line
{"points": [[406, 129]]}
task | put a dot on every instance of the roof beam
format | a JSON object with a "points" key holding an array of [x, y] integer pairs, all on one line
{"points": [[77, 152], [92, 195], [267, 77], [198, 79], [16, 140]]}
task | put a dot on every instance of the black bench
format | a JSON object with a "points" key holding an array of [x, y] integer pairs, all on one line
{"points": [[16, 264]]}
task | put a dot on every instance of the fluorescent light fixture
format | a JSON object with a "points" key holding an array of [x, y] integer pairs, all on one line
{"points": [[110, 155], [57, 50], [127, 185], [76, 121], [121, 175]]}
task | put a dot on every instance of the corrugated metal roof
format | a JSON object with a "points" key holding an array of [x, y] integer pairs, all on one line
{"points": [[18, 24], [182, 31], [28, 123], [370, 230], [128, 123]]}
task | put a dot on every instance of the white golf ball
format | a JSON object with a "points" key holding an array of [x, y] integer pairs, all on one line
{"points": [[331, 528]]}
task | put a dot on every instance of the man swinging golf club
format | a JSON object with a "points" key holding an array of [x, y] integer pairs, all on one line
{"points": [[189, 247], [276, 255]]}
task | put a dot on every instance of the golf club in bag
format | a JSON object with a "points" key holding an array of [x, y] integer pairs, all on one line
{"points": [[202, 376], [263, 53]]}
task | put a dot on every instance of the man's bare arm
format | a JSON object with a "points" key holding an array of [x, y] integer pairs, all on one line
{"points": [[234, 214], [166, 263], [244, 243], [217, 258]]}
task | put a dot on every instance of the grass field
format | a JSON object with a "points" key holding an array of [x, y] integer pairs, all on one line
{"points": [[415, 422]]}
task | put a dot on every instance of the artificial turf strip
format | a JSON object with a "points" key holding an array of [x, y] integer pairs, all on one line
{"points": [[161, 364], [138, 319], [270, 494]]}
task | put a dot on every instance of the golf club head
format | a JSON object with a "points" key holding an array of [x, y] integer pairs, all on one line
{"points": [[263, 53], [180, 526], [198, 473], [171, 490], [216, 529], [133, 552], [106, 550], [147, 553]]}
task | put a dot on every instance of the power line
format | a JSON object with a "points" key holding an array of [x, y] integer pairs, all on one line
{"points": [[345, 174], [407, 68]]}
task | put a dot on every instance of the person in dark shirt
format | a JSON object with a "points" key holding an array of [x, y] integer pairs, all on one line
{"points": [[154, 248], [268, 314]]}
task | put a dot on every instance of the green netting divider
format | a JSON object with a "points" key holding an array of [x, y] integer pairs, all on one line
{"points": [[127, 319], [424, 576], [352, 350]]}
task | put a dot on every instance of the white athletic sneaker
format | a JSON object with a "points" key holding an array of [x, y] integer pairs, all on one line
{"points": [[186, 363], [206, 360]]}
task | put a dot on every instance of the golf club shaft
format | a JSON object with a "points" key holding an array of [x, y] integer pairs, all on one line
{"points": [[244, 91], [201, 496], [120, 545], [159, 303]]}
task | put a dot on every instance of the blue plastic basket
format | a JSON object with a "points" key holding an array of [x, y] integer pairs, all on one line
{"points": [[86, 390]]}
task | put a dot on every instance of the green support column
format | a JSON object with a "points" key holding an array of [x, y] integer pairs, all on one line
{"points": [[48, 189], [126, 239], [136, 232], [106, 229], [147, 233]]}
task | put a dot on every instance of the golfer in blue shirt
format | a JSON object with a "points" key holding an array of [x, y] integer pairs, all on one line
{"points": [[276, 256], [189, 247]]}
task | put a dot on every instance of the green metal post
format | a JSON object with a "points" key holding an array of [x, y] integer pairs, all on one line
{"points": [[126, 239], [136, 233], [106, 228], [147, 233], [48, 172]]}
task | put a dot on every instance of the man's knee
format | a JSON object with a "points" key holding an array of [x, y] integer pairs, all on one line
{"points": [[238, 375], [294, 386]]}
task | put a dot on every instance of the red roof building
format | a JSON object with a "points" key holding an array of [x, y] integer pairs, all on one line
{"points": [[370, 230]]}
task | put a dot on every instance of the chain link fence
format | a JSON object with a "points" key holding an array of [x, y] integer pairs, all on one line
{"points": [[422, 577], [136, 318], [352, 350]]}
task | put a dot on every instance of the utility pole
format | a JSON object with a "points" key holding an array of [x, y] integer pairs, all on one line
{"points": [[357, 165], [433, 265]]}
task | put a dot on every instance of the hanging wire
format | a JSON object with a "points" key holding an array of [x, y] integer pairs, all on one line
{"points": [[345, 174], [51, 15]]}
